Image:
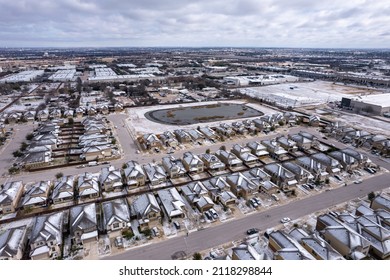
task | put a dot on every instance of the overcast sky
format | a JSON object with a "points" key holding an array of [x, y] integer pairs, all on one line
{"points": [[253, 23]]}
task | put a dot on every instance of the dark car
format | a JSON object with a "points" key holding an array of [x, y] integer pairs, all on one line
{"points": [[252, 231]]}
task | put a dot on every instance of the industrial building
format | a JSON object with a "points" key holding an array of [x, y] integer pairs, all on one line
{"points": [[376, 104]]}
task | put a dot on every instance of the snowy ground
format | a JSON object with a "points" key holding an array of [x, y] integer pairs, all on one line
{"points": [[303, 94], [138, 123]]}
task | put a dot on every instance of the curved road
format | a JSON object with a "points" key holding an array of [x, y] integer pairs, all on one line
{"points": [[235, 229]]}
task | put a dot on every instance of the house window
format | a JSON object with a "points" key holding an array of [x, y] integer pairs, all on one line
{"points": [[115, 225]]}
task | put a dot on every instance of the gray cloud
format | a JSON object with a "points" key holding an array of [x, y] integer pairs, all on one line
{"points": [[266, 23]]}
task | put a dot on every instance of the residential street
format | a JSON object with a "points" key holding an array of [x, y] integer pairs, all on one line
{"points": [[235, 229]]}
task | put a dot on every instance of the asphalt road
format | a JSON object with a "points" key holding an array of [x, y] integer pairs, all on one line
{"points": [[235, 229]]}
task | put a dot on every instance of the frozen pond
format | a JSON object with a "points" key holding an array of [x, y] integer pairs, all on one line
{"points": [[202, 114]]}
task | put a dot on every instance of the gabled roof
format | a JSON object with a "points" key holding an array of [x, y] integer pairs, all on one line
{"points": [[37, 193], [63, 187], [242, 182], [11, 240], [171, 201], [48, 228], [192, 159], [194, 190], [115, 210], [154, 172], [110, 174], [134, 169], [228, 156], [144, 204], [9, 191], [83, 217]]}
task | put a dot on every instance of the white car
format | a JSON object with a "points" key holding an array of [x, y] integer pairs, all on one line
{"points": [[285, 220]]}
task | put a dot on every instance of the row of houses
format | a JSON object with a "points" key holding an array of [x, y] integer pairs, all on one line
{"points": [[172, 139], [86, 140], [365, 234], [360, 138], [84, 223], [269, 178], [44, 115]]}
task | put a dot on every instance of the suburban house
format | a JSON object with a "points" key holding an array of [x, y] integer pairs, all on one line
{"points": [[146, 210], [172, 203], [83, 224], [219, 191], [197, 195], [192, 163], [63, 190], [258, 149], [80, 111], [301, 174], [332, 165], [239, 128], [88, 186], [29, 116], [241, 186], [110, 179], [320, 249], [13, 242], [259, 177], [225, 130], [291, 118], [381, 202], [209, 133], [359, 157], [287, 144], [342, 238], [281, 176], [383, 147], [36, 195], [275, 150], [96, 152], [346, 161], [246, 252], [46, 236], [134, 174], [196, 135], [182, 135], [262, 125], [302, 142], [285, 247], [43, 115], [228, 158], [116, 215], [169, 139], [173, 167], [250, 126], [378, 236], [316, 168], [10, 194], [151, 141], [244, 153], [212, 162], [155, 173]]}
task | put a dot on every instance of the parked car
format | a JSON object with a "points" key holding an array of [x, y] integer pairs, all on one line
{"points": [[253, 203], [252, 231], [257, 201], [275, 197], [176, 224], [285, 220], [338, 177], [213, 213], [208, 215], [155, 231], [358, 181]]}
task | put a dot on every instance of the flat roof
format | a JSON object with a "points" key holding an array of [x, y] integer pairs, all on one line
{"points": [[382, 100]]}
